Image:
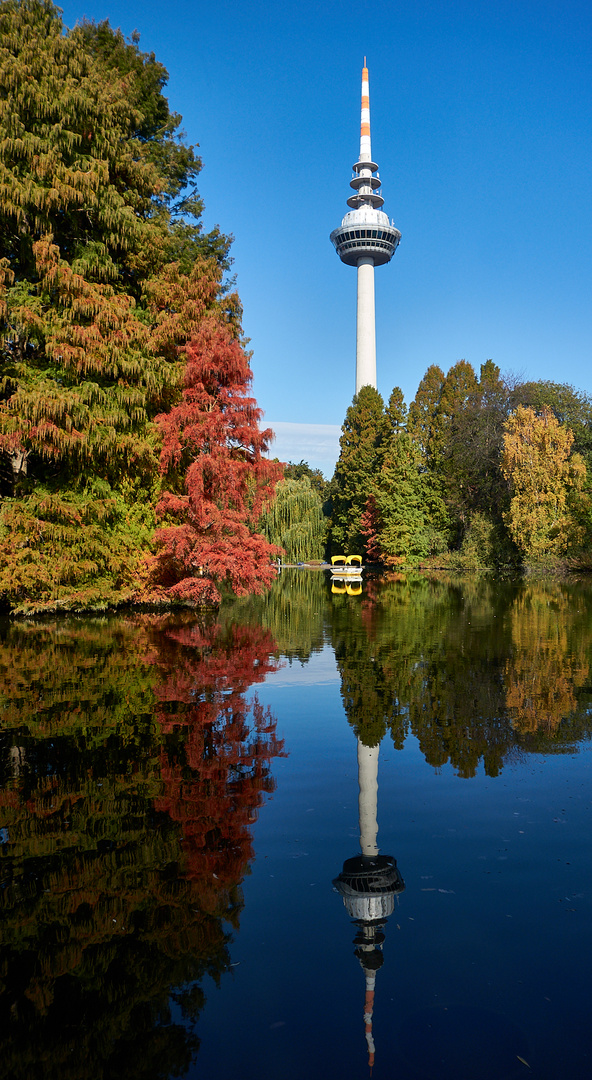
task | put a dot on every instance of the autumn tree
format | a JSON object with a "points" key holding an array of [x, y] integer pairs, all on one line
{"points": [[537, 465], [570, 406], [106, 273], [80, 220], [217, 478]]}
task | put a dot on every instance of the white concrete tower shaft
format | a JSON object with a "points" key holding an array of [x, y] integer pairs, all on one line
{"points": [[365, 239], [365, 326], [368, 798]]}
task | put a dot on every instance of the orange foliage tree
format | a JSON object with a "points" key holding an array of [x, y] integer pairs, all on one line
{"points": [[536, 461], [218, 478]]}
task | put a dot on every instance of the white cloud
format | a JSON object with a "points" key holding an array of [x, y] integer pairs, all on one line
{"points": [[318, 444]]}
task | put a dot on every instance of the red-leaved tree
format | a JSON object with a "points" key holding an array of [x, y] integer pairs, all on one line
{"points": [[217, 475], [370, 526]]}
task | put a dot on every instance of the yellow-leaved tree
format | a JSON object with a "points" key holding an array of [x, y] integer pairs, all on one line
{"points": [[543, 475]]}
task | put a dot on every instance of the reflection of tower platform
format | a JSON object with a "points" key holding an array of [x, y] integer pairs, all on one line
{"points": [[368, 885]]}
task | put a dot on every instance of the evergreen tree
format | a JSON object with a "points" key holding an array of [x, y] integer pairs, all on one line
{"points": [[476, 445], [362, 442], [459, 384], [422, 411], [423, 425], [395, 520]]}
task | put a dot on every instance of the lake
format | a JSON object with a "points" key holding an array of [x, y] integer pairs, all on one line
{"points": [[322, 833]]}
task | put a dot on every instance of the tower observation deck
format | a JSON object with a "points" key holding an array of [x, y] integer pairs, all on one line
{"points": [[366, 238]]}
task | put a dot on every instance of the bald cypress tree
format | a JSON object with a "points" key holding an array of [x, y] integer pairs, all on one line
{"points": [[105, 275]]}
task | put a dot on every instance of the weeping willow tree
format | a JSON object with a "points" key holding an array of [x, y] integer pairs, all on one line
{"points": [[295, 521]]}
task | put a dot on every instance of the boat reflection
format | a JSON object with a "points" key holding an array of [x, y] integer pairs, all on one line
{"points": [[351, 585]]}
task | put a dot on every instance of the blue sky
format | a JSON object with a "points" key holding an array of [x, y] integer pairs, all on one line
{"points": [[481, 125]]}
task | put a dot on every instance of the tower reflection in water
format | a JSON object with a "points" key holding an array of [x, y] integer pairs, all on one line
{"points": [[369, 883]]}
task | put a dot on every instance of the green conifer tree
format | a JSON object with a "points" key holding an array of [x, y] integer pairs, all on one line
{"points": [[397, 514], [475, 444], [424, 427], [423, 409], [362, 442], [459, 384]]}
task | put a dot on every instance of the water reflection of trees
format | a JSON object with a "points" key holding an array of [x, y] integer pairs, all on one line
{"points": [[294, 612], [132, 767], [214, 781], [549, 662], [474, 669]]}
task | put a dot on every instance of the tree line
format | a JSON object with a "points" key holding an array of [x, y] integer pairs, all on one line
{"points": [[479, 471]]}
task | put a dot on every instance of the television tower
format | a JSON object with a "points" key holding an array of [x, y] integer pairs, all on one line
{"points": [[366, 238]]}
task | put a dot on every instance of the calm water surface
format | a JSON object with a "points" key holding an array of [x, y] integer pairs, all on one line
{"points": [[188, 815]]}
